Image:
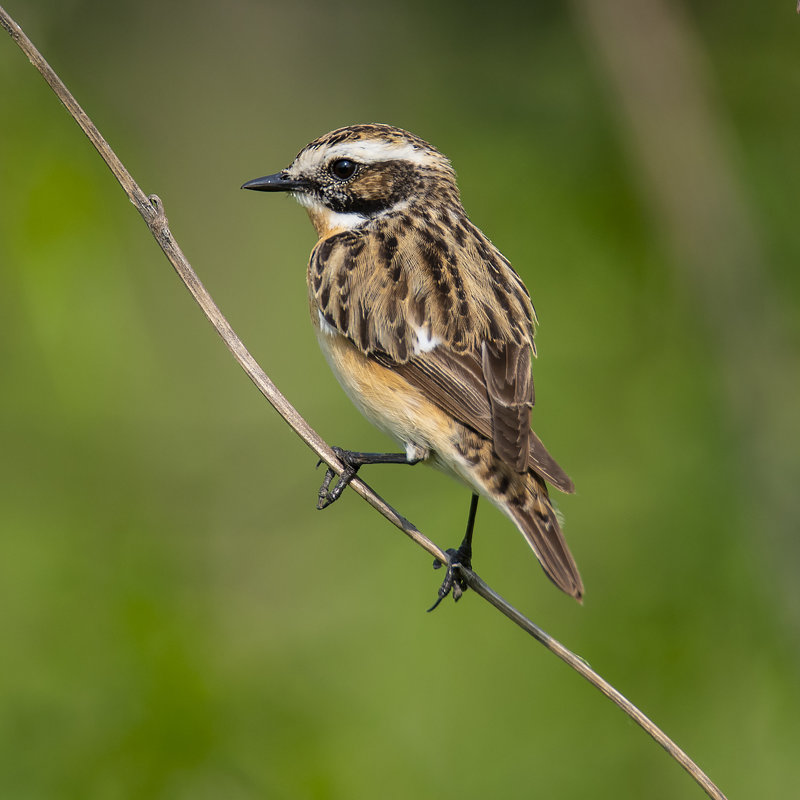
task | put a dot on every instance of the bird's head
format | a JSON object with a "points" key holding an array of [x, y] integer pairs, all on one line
{"points": [[354, 174]]}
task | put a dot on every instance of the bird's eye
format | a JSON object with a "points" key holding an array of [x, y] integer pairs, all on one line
{"points": [[343, 168]]}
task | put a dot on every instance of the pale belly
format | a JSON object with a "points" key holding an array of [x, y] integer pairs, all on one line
{"points": [[387, 401], [405, 414]]}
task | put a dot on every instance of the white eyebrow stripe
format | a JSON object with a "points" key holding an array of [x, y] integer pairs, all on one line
{"points": [[369, 151], [364, 151]]}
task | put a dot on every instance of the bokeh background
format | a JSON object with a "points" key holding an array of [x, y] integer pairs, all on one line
{"points": [[176, 618]]}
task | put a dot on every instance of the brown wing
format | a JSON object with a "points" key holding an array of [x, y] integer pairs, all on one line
{"points": [[456, 383], [507, 374], [474, 311]]}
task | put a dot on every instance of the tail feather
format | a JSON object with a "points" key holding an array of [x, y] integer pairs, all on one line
{"points": [[521, 496], [538, 523]]}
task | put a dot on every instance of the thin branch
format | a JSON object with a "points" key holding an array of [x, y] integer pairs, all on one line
{"points": [[151, 210]]}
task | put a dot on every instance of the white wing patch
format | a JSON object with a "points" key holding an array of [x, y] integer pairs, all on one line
{"points": [[425, 342]]}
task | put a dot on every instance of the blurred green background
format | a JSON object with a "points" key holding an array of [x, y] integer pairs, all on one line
{"points": [[176, 618]]}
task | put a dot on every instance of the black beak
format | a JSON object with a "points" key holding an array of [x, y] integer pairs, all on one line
{"points": [[279, 182]]}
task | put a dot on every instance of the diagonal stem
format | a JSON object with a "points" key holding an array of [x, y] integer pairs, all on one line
{"points": [[150, 208], [582, 668], [152, 212]]}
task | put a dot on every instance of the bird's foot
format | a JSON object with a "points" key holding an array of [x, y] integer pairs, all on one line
{"points": [[326, 495], [453, 579], [352, 461]]}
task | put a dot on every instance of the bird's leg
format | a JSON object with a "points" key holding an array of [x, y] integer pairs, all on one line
{"points": [[352, 462], [456, 559]]}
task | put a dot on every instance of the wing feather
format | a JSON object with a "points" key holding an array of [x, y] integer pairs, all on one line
{"points": [[507, 373], [462, 296], [455, 383]]}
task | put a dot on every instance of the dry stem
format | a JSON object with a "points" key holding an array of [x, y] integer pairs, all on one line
{"points": [[150, 207]]}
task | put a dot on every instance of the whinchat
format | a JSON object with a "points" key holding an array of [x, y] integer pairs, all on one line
{"points": [[427, 327]]}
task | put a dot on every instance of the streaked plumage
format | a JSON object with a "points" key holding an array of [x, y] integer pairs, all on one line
{"points": [[425, 323]]}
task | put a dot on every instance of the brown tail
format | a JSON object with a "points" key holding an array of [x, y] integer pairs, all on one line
{"points": [[537, 521]]}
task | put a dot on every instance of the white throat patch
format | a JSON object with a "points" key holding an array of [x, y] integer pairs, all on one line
{"points": [[332, 219]]}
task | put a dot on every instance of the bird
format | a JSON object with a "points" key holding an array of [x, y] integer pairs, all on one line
{"points": [[428, 329]]}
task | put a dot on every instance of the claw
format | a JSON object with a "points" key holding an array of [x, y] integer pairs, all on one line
{"points": [[352, 461], [453, 581], [326, 495]]}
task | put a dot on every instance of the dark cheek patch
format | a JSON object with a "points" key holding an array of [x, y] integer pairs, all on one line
{"points": [[378, 188]]}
